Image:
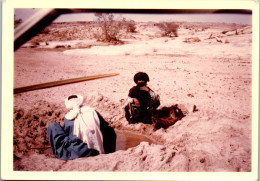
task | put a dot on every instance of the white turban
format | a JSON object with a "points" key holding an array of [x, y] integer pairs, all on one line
{"points": [[74, 101]]}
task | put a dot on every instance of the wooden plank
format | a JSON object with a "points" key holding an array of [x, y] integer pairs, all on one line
{"points": [[61, 82]]}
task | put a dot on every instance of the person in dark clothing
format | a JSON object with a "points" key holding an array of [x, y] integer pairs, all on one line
{"points": [[142, 101]]}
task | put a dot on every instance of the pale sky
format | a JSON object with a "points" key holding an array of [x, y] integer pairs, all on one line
{"points": [[228, 18]]}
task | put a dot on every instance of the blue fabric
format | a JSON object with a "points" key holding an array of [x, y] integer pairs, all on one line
{"points": [[64, 144]]}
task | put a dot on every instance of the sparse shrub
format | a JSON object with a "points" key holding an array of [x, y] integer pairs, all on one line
{"points": [[192, 39], [45, 31], [60, 46], [155, 50], [224, 32], [130, 26], [169, 29], [226, 41], [204, 28], [110, 27], [17, 21], [34, 44]]}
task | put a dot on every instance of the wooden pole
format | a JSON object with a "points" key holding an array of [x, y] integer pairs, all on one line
{"points": [[61, 82]]}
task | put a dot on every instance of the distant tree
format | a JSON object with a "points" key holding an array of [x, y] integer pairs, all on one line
{"points": [[130, 26], [17, 21], [110, 27], [168, 28]]}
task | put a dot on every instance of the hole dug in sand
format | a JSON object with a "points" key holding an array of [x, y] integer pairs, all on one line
{"points": [[31, 140], [163, 118], [127, 139]]}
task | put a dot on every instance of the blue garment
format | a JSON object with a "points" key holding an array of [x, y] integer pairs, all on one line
{"points": [[64, 144], [67, 146]]}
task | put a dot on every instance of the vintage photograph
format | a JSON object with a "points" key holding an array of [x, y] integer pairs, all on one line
{"points": [[194, 116], [133, 90]]}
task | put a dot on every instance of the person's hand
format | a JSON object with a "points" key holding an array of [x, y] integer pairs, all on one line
{"points": [[137, 103], [145, 88]]}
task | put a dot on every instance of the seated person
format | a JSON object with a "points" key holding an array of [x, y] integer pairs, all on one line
{"points": [[141, 101], [85, 132]]}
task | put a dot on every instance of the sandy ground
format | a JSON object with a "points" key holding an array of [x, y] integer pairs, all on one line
{"points": [[213, 74]]}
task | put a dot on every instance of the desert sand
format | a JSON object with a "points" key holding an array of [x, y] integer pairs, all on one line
{"points": [[209, 66]]}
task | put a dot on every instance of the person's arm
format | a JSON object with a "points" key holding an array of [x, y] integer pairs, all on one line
{"points": [[154, 96], [155, 99], [133, 101], [131, 97]]}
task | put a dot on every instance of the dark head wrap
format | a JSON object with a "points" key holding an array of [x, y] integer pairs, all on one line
{"points": [[141, 76]]}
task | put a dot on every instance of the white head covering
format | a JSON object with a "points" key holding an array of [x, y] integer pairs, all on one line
{"points": [[86, 123], [74, 101]]}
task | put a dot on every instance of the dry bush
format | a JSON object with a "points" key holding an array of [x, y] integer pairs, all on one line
{"points": [[110, 27], [204, 28], [169, 29], [192, 39], [130, 26], [46, 31], [17, 21], [226, 41]]}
